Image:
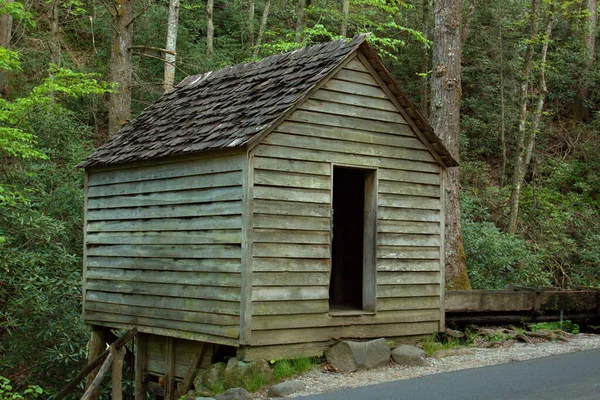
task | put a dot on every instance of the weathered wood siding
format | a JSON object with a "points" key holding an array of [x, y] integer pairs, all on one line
{"points": [[349, 121], [163, 248]]}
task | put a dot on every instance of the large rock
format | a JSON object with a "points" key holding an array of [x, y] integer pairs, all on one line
{"points": [[348, 356], [285, 388], [234, 394], [409, 355], [211, 378]]}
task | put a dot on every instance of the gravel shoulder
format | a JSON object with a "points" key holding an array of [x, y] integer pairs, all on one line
{"points": [[319, 381]]}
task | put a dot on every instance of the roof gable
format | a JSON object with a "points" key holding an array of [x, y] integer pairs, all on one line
{"points": [[239, 105]]}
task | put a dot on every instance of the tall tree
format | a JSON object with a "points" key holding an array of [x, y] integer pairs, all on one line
{"points": [[210, 28], [251, 7], [445, 120], [581, 111], [345, 13], [170, 54], [6, 21], [425, 59], [263, 27], [300, 20], [519, 163], [121, 66], [54, 44]]}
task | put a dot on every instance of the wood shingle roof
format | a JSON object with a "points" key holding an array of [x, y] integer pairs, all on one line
{"points": [[231, 107]]}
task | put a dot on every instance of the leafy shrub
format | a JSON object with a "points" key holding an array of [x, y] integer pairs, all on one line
{"points": [[8, 393], [566, 326]]}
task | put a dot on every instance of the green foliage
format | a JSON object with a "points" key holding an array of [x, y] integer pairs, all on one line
{"points": [[7, 392], [566, 326], [284, 369]]}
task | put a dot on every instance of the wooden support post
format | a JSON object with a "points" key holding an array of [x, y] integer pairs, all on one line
{"points": [[117, 373], [94, 388], [195, 363], [170, 370], [141, 357], [96, 346]]}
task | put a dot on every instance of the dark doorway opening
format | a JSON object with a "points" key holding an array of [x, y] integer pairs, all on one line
{"points": [[346, 285]]}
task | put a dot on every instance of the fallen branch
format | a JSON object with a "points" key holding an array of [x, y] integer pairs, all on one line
{"points": [[98, 379]]}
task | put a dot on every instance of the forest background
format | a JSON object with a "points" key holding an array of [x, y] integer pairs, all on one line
{"points": [[529, 120]]}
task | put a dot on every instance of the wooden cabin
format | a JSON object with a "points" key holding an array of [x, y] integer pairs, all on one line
{"points": [[273, 207]]}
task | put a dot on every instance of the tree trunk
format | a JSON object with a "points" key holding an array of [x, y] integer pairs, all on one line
{"points": [[425, 61], [300, 20], [210, 28], [54, 33], [6, 23], [445, 119], [96, 346], [117, 373], [263, 27], [172, 25], [251, 8], [345, 13], [581, 112], [502, 102], [519, 163], [121, 66]]}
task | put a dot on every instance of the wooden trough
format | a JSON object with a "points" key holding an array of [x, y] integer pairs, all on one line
{"points": [[522, 304]]}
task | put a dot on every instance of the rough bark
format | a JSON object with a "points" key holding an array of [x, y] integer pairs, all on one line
{"points": [[251, 7], [263, 27], [6, 22], [425, 61], [117, 373], [345, 13], [210, 28], [519, 162], [300, 20], [96, 346], [445, 120], [170, 58], [121, 66]]}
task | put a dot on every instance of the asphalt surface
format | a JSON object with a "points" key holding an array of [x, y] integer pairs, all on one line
{"points": [[567, 376]]}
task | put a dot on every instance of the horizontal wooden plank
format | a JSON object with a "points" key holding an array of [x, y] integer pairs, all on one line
{"points": [[291, 236], [290, 279], [408, 227], [283, 352], [166, 264], [356, 65], [344, 158], [315, 118], [167, 277], [327, 108], [290, 250], [421, 253], [290, 307], [216, 307], [171, 290], [262, 322], [412, 189], [284, 294], [279, 138], [401, 239], [281, 336], [354, 100], [167, 251], [408, 278], [175, 333], [291, 179], [354, 88], [404, 138], [276, 207], [292, 194], [166, 185], [168, 170], [349, 75], [291, 222], [213, 330], [385, 291], [162, 313], [297, 166], [168, 198], [408, 303], [167, 224], [290, 264], [170, 211], [409, 176], [408, 214], [397, 265], [404, 201], [222, 236]]}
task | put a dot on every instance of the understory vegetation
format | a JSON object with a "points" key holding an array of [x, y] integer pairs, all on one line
{"points": [[54, 107]]}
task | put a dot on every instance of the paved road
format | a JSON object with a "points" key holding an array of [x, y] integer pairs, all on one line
{"points": [[570, 376]]}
